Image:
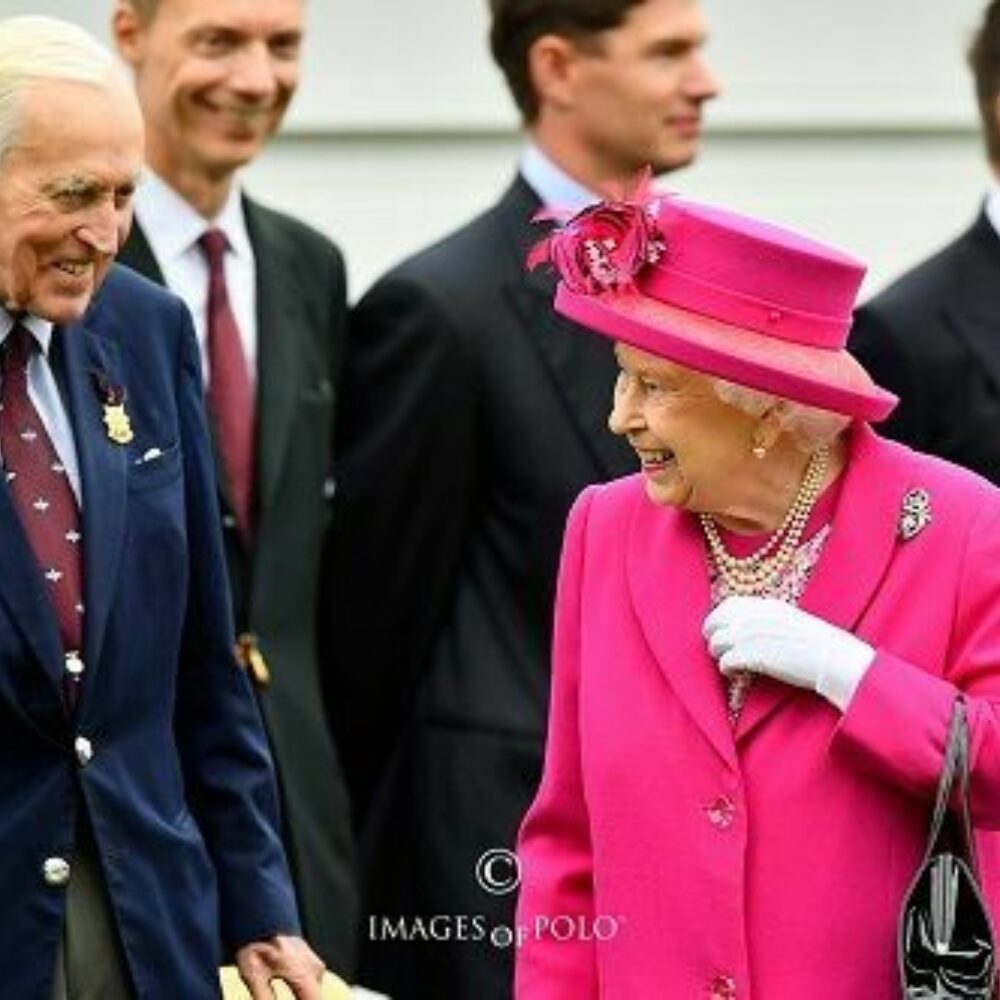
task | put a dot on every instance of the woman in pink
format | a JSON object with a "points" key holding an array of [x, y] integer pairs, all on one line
{"points": [[759, 638]]}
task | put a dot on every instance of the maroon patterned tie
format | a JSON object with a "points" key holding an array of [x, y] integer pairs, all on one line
{"points": [[43, 497], [230, 391]]}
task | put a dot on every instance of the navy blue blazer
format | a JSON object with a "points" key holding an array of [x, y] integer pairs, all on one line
{"points": [[179, 790]]}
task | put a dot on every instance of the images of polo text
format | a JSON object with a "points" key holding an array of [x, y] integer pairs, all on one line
{"points": [[498, 873]]}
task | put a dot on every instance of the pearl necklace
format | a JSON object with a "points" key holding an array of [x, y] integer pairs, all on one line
{"points": [[753, 574]]}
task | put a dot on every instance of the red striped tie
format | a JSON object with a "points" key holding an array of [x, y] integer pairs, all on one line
{"points": [[42, 495], [230, 391]]}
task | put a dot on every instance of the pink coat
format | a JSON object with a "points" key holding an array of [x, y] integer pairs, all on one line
{"points": [[667, 858]]}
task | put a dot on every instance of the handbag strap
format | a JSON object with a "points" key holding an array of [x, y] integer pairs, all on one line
{"points": [[956, 764]]}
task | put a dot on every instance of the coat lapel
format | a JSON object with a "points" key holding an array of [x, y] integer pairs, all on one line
{"points": [[102, 474], [877, 478], [668, 580], [581, 364]]}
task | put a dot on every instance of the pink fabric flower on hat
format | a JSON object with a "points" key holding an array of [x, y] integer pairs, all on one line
{"points": [[604, 247]]}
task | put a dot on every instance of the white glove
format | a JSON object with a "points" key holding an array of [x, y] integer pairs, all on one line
{"points": [[767, 636]]}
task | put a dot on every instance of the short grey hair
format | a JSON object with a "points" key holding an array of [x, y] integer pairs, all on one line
{"points": [[808, 426], [34, 49]]}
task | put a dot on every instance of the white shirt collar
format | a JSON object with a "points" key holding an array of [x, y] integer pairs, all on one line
{"points": [[41, 329], [554, 187], [993, 207], [174, 225]]}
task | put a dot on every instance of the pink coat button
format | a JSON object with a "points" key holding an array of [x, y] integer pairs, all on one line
{"points": [[721, 812], [723, 988]]}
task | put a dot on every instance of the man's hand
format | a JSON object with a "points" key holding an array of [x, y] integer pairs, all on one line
{"points": [[281, 957]]}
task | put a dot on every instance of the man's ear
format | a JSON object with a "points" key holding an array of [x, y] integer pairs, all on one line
{"points": [[128, 32], [552, 62]]}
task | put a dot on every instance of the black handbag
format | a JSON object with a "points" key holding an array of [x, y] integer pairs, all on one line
{"points": [[947, 950]]}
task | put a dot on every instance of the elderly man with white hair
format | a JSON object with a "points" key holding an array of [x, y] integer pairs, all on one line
{"points": [[138, 817]]}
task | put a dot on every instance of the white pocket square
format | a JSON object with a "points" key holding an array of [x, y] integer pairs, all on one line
{"points": [[149, 455]]}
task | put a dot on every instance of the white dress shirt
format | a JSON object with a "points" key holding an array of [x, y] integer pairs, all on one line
{"points": [[993, 207], [45, 395], [554, 187], [173, 227]]}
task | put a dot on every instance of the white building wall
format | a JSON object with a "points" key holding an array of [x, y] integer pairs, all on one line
{"points": [[854, 121]]}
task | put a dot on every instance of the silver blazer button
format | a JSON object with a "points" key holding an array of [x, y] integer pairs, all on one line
{"points": [[56, 871], [84, 750]]}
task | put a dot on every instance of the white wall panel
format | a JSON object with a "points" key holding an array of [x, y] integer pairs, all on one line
{"points": [[853, 121], [817, 63], [391, 65], [889, 199]]}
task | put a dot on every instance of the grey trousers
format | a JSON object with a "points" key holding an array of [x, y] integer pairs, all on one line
{"points": [[91, 964]]}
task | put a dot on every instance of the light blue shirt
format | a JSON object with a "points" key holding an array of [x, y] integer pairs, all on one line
{"points": [[44, 393], [554, 187]]}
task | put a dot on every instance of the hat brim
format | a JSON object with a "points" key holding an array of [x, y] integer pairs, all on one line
{"points": [[827, 379]]}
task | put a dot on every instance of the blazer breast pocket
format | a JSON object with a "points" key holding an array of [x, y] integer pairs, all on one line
{"points": [[154, 467]]}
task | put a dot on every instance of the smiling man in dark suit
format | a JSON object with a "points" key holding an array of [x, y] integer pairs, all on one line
{"points": [[471, 418], [268, 298], [138, 813], [933, 336]]}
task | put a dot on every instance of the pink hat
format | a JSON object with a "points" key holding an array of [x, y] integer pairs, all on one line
{"points": [[718, 292]]}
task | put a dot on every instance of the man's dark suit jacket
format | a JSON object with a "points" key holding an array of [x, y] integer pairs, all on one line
{"points": [[301, 315], [933, 338], [470, 419], [179, 790]]}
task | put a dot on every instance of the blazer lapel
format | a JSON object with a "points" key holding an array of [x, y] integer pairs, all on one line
{"points": [[582, 369], [23, 591], [581, 364], [138, 255], [102, 474], [856, 556], [668, 580], [280, 315], [975, 310]]}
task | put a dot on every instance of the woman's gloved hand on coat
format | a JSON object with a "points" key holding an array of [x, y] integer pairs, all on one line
{"points": [[763, 635]]}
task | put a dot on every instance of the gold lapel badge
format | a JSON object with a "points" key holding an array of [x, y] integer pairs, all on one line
{"points": [[915, 515], [117, 422], [116, 419]]}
